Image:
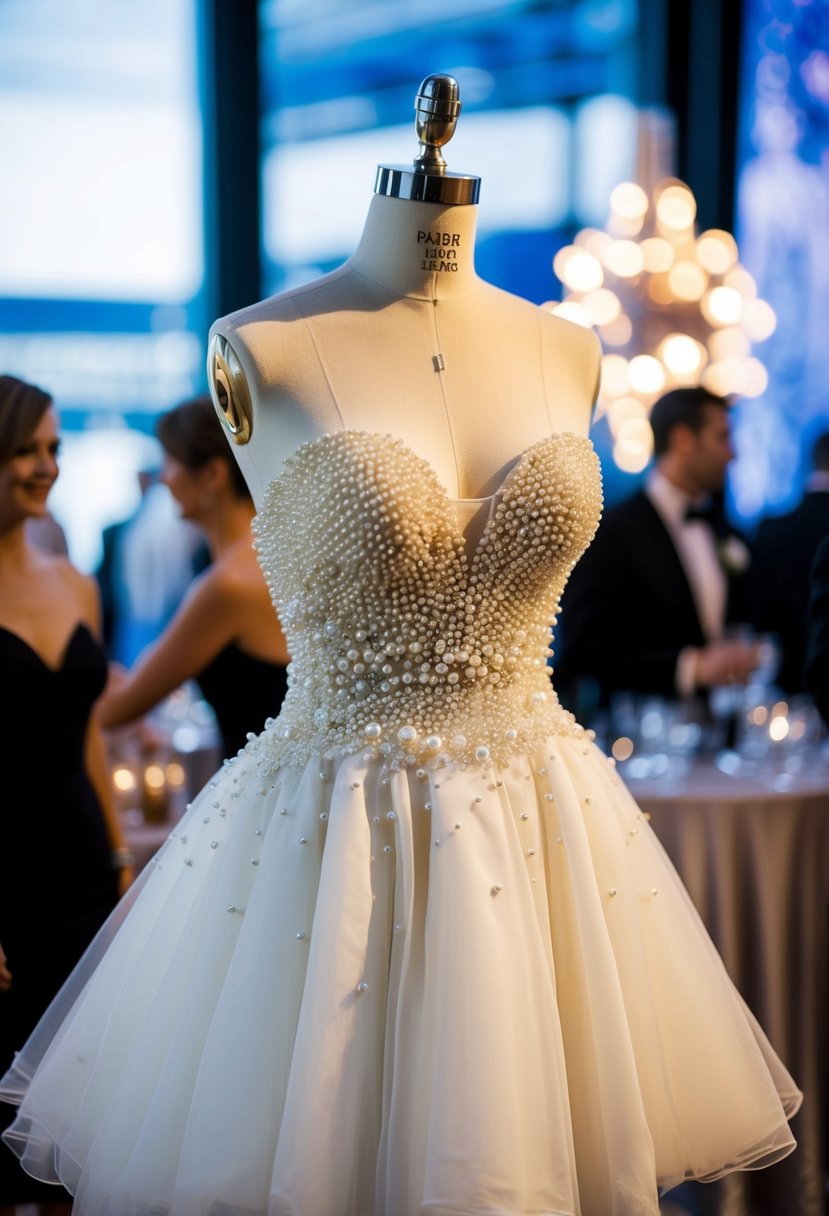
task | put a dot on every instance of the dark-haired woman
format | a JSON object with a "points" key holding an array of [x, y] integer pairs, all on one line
{"points": [[225, 634], [59, 837]]}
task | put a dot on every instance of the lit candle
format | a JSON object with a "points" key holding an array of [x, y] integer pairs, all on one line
{"points": [[155, 794]]}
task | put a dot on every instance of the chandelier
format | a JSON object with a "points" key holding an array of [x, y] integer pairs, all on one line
{"points": [[671, 307]]}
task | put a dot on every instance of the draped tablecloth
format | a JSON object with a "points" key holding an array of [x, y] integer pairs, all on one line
{"points": [[755, 860]]}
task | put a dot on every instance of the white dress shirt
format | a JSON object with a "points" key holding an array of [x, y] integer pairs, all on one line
{"points": [[696, 548]]}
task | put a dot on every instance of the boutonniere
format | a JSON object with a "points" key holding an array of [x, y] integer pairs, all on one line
{"points": [[733, 555]]}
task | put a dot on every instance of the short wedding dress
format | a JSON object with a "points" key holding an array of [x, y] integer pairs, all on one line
{"points": [[415, 951]]}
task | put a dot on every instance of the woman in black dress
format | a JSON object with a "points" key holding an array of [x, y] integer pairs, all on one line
{"points": [[225, 635], [60, 842]]}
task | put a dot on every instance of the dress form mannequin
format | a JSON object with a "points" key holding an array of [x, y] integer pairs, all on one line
{"points": [[405, 338]]}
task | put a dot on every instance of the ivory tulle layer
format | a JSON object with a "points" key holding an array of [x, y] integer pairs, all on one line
{"points": [[477, 990]]}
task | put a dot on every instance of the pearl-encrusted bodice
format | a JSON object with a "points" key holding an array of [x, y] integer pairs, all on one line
{"points": [[401, 642]]}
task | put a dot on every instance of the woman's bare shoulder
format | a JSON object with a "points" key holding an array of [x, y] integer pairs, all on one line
{"points": [[239, 575], [72, 592]]}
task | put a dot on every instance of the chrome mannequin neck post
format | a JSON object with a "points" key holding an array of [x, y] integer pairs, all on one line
{"points": [[427, 180]]}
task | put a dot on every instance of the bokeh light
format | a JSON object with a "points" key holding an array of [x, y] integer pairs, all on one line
{"points": [[682, 355], [579, 269], [676, 208], [629, 201], [671, 308], [687, 280], [646, 374], [716, 251], [623, 258], [657, 254], [602, 305], [722, 306]]}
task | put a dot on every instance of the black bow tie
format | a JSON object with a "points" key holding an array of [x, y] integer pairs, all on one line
{"points": [[710, 513], [705, 513]]}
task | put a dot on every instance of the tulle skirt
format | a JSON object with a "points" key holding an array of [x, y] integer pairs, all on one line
{"points": [[345, 991]]}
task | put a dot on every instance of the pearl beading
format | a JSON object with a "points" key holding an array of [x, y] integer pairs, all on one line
{"points": [[402, 645]]}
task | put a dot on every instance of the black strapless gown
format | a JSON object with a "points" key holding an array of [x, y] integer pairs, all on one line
{"points": [[57, 884], [243, 692]]}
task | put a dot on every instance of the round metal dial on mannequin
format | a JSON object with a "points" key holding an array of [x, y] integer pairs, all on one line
{"points": [[229, 390], [437, 106]]}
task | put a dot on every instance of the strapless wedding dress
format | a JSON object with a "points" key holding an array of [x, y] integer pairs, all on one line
{"points": [[415, 950]]}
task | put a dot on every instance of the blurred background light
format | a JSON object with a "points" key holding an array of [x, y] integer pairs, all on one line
{"points": [[675, 304]]}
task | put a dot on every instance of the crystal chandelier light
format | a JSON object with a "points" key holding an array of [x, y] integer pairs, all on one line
{"points": [[671, 308]]}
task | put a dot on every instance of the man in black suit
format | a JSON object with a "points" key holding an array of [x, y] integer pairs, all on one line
{"points": [[647, 607], [783, 555]]}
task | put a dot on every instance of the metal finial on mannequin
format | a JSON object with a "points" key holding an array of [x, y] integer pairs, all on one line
{"points": [[437, 107]]}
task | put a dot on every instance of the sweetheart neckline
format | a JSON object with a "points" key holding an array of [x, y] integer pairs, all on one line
{"points": [[401, 443], [55, 671], [472, 552]]}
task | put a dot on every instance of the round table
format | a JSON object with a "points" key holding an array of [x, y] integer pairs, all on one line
{"points": [[755, 861]]}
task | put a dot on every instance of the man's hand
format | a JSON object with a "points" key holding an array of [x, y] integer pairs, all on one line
{"points": [[730, 662]]}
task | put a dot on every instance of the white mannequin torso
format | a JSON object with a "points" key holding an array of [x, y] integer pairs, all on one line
{"points": [[405, 338]]}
